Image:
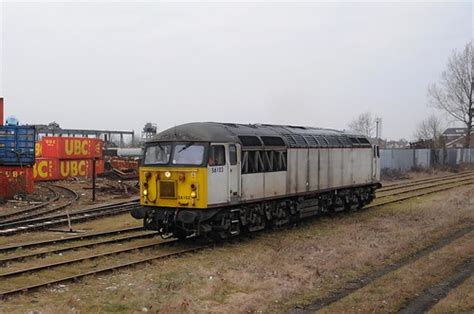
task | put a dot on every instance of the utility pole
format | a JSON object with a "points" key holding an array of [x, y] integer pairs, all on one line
{"points": [[378, 129], [93, 178]]}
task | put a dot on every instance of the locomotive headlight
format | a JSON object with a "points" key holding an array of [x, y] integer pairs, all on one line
{"points": [[145, 192], [167, 174], [193, 194]]}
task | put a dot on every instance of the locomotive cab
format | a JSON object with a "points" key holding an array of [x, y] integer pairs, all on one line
{"points": [[185, 179], [190, 174]]}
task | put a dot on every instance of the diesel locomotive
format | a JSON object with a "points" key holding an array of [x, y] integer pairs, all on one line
{"points": [[224, 179]]}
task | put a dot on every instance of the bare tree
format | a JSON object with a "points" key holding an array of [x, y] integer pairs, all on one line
{"points": [[454, 92], [365, 124], [430, 129]]}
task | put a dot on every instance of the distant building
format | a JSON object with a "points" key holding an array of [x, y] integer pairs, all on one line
{"points": [[456, 137], [394, 144], [422, 144]]}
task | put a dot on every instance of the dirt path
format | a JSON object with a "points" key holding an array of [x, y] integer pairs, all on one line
{"points": [[367, 279], [434, 294]]}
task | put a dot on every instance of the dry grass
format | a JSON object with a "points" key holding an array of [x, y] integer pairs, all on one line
{"points": [[270, 273], [392, 291], [460, 300]]}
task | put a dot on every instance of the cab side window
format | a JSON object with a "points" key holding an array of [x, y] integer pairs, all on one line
{"points": [[232, 155], [217, 155]]}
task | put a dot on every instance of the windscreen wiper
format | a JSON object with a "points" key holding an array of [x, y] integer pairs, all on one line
{"points": [[185, 147]]}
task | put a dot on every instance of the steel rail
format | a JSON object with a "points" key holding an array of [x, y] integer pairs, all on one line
{"points": [[427, 179], [73, 218], [18, 258], [410, 184], [81, 259], [59, 216], [33, 208], [424, 187], [87, 210], [8, 293], [42, 213], [29, 245]]}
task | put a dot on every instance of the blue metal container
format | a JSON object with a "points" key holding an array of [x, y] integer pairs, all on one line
{"points": [[17, 145]]}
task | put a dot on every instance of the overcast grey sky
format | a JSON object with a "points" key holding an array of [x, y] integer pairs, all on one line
{"points": [[119, 65]]}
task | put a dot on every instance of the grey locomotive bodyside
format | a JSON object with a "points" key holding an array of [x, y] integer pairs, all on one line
{"points": [[311, 170]]}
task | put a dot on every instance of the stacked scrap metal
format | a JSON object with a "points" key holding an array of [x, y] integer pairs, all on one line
{"points": [[59, 158], [17, 156]]}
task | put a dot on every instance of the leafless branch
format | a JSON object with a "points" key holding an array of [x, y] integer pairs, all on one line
{"points": [[454, 93]]}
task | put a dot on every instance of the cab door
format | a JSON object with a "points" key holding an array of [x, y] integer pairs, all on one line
{"points": [[234, 183], [218, 174]]}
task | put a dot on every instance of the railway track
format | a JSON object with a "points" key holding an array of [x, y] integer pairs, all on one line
{"points": [[28, 214], [31, 245], [422, 186], [34, 208], [136, 233], [391, 187], [430, 190], [387, 186], [139, 234], [96, 271], [12, 228]]}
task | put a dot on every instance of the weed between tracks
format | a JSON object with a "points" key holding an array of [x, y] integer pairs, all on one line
{"points": [[272, 272]]}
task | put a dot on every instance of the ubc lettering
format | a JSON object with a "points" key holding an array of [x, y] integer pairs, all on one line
{"points": [[73, 168], [76, 147], [38, 170], [38, 150]]}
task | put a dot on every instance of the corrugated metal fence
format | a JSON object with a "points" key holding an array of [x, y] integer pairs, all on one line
{"points": [[407, 159]]}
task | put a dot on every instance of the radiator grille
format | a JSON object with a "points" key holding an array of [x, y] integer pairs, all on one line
{"points": [[167, 189]]}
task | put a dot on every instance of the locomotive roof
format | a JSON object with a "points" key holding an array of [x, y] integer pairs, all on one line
{"points": [[234, 133]]}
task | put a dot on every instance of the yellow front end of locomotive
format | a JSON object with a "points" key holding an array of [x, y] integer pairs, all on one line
{"points": [[177, 187]]}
